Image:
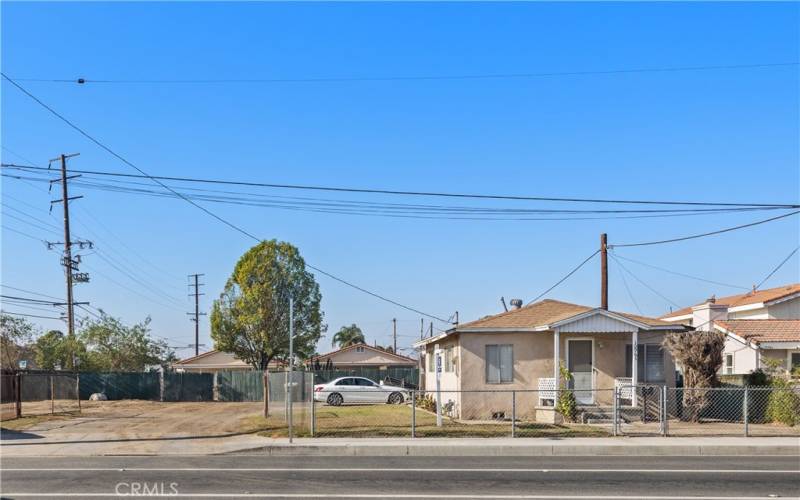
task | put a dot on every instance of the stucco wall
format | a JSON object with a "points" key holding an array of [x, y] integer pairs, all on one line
{"points": [[533, 359], [367, 357], [778, 354], [785, 310], [744, 357], [449, 381]]}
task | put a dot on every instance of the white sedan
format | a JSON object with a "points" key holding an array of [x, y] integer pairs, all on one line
{"points": [[359, 390]]}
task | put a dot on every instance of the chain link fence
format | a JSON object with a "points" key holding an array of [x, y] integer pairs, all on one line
{"points": [[637, 411], [43, 393]]}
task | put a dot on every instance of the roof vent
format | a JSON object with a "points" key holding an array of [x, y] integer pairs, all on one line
{"points": [[712, 299], [516, 303]]}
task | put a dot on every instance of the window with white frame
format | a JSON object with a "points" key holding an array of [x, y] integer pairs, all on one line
{"points": [[360, 348], [449, 359], [728, 364], [499, 363], [650, 365]]}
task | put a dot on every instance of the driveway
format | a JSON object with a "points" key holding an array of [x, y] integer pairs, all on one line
{"points": [[138, 427]]}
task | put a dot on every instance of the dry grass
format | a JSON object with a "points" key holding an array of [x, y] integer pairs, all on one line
{"points": [[395, 421], [23, 423]]}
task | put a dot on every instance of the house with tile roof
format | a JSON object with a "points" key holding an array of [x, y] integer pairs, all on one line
{"points": [[361, 356], [216, 361], [522, 349], [758, 325]]}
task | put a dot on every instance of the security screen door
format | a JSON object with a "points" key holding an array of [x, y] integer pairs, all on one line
{"points": [[579, 363]]}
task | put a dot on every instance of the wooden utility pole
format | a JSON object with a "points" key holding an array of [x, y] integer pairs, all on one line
{"points": [[394, 335], [604, 271], [70, 264], [67, 249], [196, 284]]}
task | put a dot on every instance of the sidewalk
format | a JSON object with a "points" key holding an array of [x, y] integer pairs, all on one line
{"points": [[481, 447], [98, 445]]}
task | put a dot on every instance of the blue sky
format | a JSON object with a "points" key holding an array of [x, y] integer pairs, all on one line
{"points": [[718, 135]]}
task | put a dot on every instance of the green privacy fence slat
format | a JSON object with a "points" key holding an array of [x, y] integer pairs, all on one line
{"points": [[240, 386], [188, 386], [121, 385]]}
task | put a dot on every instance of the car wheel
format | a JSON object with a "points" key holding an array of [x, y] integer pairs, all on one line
{"points": [[395, 398], [335, 399]]}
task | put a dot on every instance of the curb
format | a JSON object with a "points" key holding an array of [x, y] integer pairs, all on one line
{"points": [[487, 449]]}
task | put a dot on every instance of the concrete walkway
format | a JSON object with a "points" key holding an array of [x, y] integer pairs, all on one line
{"points": [[16, 444], [481, 447]]}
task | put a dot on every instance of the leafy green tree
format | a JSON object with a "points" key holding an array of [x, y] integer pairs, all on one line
{"points": [[15, 335], [251, 317], [49, 350], [110, 345], [348, 335]]}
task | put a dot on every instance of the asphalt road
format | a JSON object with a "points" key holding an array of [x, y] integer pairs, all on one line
{"points": [[243, 476]]}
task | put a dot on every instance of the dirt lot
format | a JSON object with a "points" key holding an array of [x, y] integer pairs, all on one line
{"points": [[133, 419]]}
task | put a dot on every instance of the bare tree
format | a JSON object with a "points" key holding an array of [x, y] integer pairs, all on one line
{"points": [[700, 355]]}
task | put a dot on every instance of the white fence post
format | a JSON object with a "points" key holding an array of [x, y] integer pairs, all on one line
{"points": [[313, 407], [746, 411], [513, 414], [664, 417], [413, 414], [614, 411]]}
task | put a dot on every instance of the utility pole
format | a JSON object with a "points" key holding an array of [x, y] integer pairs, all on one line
{"points": [[195, 282], [70, 264], [394, 335], [604, 271], [421, 328], [67, 248]]}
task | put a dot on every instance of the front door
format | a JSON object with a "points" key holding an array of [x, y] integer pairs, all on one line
{"points": [[579, 363]]}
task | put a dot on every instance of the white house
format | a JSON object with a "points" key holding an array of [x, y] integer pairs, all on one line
{"points": [[758, 325]]}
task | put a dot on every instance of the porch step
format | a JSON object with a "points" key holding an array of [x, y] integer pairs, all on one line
{"points": [[605, 414]]}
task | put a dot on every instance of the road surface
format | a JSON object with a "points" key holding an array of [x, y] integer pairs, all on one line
{"points": [[253, 476]]}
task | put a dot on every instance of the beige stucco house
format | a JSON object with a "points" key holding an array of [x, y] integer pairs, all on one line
{"points": [[758, 325], [363, 356], [521, 349], [215, 361]]}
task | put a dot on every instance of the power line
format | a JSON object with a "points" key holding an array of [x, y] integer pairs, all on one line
{"points": [[385, 191], [712, 233], [565, 277], [412, 211], [6, 228], [208, 212], [682, 274], [30, 292], [13, 313], [28, 299], [642, 282], [755, 288], [630, 294], [784, 261], [397, 78], [124, 186]]}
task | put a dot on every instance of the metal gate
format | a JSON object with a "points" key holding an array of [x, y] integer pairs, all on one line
{"points": [[640, 410]]}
